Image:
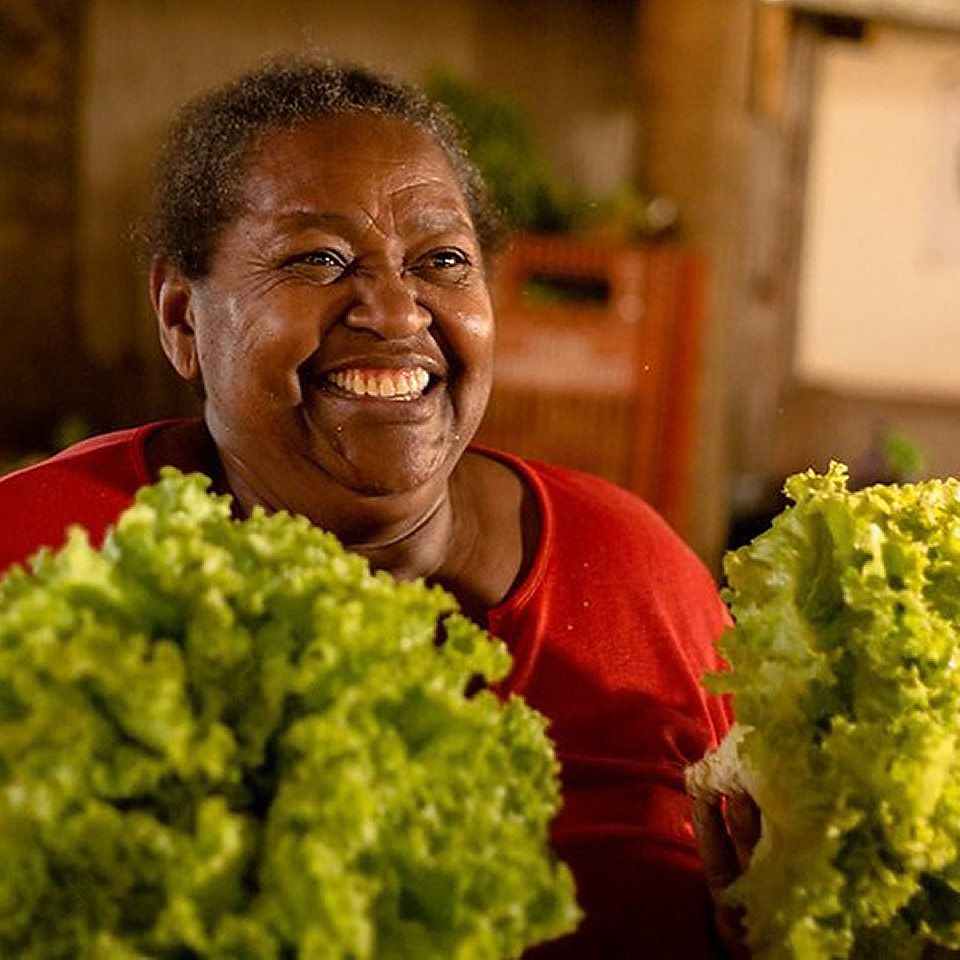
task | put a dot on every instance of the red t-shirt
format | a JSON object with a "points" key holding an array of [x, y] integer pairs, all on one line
{"points": [[611, 631]]}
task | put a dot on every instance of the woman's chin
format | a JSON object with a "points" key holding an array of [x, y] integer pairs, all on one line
{"points": [[387, 477], [391, 460]]}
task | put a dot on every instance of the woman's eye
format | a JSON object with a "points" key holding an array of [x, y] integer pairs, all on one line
{"points": [[322, 258], [449, 262], [445, 259], [328, 261]]}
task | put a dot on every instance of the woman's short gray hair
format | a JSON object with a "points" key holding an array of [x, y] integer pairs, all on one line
{"points": [[202, 162]]}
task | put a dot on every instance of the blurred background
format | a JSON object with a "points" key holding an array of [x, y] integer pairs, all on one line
{"points": [[738, 223]]}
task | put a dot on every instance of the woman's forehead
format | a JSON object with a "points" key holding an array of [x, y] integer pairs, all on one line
{"points": [[344, 154]]}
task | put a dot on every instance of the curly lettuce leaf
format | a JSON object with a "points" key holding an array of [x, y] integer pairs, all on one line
{"points": [[231, 740], [845, 674]]}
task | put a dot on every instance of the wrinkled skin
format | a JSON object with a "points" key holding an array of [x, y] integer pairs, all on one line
{"points": [[353, 259]]}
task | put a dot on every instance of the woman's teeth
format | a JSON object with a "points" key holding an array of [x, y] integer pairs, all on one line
{"points": [[407, 383]]}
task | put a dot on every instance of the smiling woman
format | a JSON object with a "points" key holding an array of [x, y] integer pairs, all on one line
{"points": [[351, 266], [319, 249]]}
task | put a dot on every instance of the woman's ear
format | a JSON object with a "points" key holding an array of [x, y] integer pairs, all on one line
{"points": [[172, 295]]}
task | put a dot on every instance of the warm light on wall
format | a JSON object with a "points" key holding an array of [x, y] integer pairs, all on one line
{"points": [[880, 281], [935, 14]]}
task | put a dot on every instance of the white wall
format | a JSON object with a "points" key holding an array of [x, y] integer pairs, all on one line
{"points": [[880, 296]]}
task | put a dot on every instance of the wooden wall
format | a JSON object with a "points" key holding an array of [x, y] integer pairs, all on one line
{"points": [[40, 340], [692, 65]]}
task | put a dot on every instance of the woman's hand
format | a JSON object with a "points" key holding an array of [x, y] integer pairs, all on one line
{"points": [[727, 831]]}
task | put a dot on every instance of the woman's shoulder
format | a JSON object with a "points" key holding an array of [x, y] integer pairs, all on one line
{"points": [[581, 500], [115, 457], [590, 524], [88, 485]]}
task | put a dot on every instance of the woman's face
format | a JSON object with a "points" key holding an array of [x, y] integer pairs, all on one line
{"points": [[344, 332]]}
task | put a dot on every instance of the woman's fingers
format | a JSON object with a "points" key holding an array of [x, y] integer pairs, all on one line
{"points": [[720, 861], [743, 822], [722, 865]]}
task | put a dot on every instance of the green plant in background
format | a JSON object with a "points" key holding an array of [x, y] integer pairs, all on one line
{"points": [[631, 214], [902, 454], [502, 143], [70, 429]]}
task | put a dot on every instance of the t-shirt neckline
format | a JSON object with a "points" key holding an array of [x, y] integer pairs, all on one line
{"points": [[522, 592], [515, 599]]}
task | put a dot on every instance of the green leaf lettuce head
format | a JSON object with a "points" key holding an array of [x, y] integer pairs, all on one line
{"points": [[229, 739], [845, 674]]}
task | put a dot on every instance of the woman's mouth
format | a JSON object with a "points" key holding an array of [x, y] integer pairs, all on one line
{"points": [[400, 383]]}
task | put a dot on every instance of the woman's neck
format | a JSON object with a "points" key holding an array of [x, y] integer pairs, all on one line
{"points": [[475, 539]]}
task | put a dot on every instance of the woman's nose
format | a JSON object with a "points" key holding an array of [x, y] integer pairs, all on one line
{"points": [[386, 306]]}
